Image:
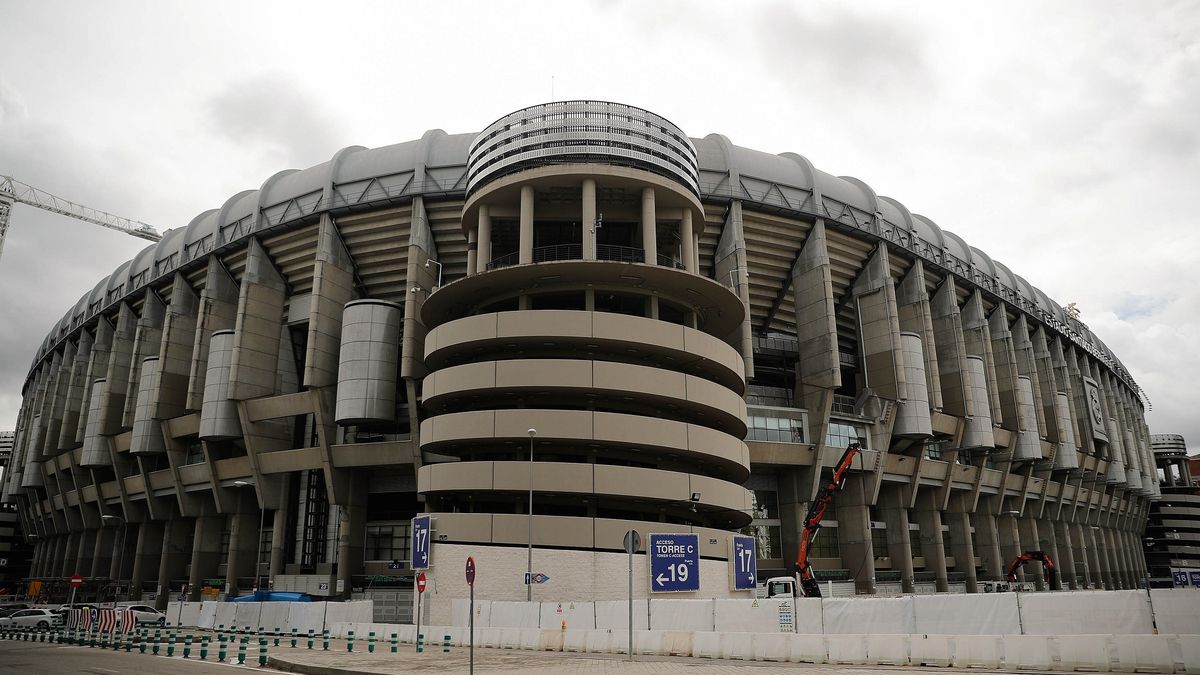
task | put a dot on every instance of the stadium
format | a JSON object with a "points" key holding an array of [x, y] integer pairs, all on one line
{"points": [[576, 322]]}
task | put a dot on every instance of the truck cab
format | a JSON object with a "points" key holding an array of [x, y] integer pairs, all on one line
{"points": [[781, 587]]}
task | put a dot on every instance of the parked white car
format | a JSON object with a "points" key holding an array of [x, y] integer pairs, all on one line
{"points": [[31, 618], [144, 614]]}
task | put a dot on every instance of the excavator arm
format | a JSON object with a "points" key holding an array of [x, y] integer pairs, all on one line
{"points": [[1027, 556], [812, 521]]}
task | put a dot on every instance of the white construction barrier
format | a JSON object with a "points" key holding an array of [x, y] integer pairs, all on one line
{"points": [[247, 613], [506, 614], [974, 614], [208, 614], [810, 616], [1084, 652], [1086, 612], [172, 613], [677, 643], [460, 613], [808, 648], [577, 615], [1027, 652], [706, 644], [1189, 652], [303, 616], [846, 649], [669, 614], [887, 650], [749, 616], [978, 651], [189, 614], [647, 642], [1134, 653], [772, 646], [224, 614], [738, 646], [868, 615], [614, 615], [1175, 610], [275, 615], [931, 650]]}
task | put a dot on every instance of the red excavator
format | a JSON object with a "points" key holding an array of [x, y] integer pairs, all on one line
{"points": [[809, 588], [1027, 556]]}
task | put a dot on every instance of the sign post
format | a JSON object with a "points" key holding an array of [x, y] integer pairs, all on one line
{"points": [[420, 592], [471, 622], [76, 582], [674, 563], [743, 559], [633, 541], [420, 542]]}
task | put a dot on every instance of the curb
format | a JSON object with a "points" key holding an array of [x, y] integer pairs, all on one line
{"points": [[286, 666]]}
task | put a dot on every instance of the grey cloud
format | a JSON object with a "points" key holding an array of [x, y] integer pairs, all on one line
{"points": [[275, 114], [12, 104]]}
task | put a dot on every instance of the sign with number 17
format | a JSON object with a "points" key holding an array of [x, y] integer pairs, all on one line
{"points": [[420, 543], [743, 561]]}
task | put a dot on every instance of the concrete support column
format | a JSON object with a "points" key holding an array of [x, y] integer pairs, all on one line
{"points": [[650, 228], [929, 519], [58, 562], [1065, 555], [146, 552], [122, 556], [485, 240], [102, 553], [1083, 555], [206, 552], [472, 250], [1028, 529], [987, 540], [243, 545], [351, 535], [1139, 558], [1010, 543], [1096, 537], [279, 535], [77, 556], [588, 218], [687, 239], [526, 234], [854, 533], [1122, 555], [895, 515], [958, 518], [1049, 537], [174, 557]]}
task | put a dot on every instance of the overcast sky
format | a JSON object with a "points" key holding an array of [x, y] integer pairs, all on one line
{"points": [[1062, 138]]}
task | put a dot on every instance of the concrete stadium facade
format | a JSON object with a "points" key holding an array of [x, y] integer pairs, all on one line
{"points": [[685, 334]]}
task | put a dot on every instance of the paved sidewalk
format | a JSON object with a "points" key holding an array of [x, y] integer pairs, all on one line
{"points": [[337, 661]]}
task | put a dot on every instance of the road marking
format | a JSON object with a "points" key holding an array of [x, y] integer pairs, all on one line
{"points": [[94, 668]]}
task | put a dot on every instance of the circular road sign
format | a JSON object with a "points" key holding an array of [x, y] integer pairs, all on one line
{"points": [[470, 571], [76, 581], [420, 582], [633, 541]]}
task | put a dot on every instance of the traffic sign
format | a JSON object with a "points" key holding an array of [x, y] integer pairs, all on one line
{"points": [[420, 542], [633, 541], [420, 582], [674, 563], [470, 571], [743, 560], [76, 581]]}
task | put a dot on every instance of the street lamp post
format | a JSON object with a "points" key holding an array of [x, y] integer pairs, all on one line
{"points": [[121, 553], [258, 535], [431, 261], [529, 551]]}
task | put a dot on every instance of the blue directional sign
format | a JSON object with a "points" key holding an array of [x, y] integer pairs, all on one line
{"points": [[1194, 576], [674, 563], [744, 561], [420, 543]]}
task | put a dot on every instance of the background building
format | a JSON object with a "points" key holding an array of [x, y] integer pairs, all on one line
{"points": [[1173, 531], [14, 551], [692, 331]]}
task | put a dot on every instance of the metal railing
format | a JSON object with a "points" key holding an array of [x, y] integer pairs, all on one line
{"points": [[620, 253]]}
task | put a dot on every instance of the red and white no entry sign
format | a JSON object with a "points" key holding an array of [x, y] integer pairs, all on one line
{"points": [[76, 581], [421, 582]]}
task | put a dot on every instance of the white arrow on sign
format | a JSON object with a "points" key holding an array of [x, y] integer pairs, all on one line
{"points": [[661, 579]]}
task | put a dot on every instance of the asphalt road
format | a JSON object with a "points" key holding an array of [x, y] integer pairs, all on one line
{"points": [[47, 659]]}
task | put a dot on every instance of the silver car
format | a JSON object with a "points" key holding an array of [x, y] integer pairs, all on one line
{"points": [[31, 618]]}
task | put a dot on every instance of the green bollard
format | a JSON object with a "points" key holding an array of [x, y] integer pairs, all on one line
{"points": [[171, 644], [325, 640], [395, 642], [276, 635], [445, 644], [157, 636], [104, 641], [350, 641], [420, 642], [242, 651], [142, 641], [310, 638], [129, 642], [371, 642], [262, 652], [221, 648], [187, 646], [204, 648]]}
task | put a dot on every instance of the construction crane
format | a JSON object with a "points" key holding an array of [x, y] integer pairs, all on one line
{"points": [[13, 191]]}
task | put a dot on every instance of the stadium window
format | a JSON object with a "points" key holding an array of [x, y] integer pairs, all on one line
{"points": [[826, 543], [879, 543], [842, 434]]}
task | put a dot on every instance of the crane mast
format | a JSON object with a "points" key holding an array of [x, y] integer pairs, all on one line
{"points": [[13, 191]]}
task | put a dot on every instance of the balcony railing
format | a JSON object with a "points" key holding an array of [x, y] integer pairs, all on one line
{"points": [[621, 253]]}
